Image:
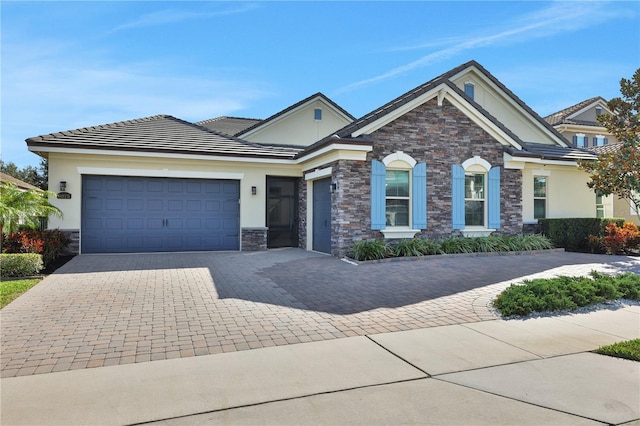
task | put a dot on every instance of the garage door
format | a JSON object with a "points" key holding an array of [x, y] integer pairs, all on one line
{"points": [[139, 214]]}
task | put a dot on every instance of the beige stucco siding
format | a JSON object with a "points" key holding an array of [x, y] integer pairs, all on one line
{"points": [[505, 110], [567, 192], [69, 168], [299, 126]]}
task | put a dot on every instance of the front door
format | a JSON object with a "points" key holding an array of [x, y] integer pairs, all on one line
{"points": [[282, 212], [322, 215]]}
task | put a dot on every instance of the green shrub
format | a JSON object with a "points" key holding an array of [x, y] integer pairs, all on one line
{"points": [[429, 247], [629, 349], [20, 265], [566, 293], [455, 245], [573, 233], [408, 248], [371, 250]]}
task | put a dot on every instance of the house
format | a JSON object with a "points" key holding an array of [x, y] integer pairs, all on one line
{"points": [[458, 155], [17, 182], [579, 125]]}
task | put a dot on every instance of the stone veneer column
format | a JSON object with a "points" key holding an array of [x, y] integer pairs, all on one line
{"points": [[254, 239]]}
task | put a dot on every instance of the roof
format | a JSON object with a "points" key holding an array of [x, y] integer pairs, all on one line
{"points": [[162, 134], [605, 149], [552, 152], [409, 96], [294, 106], [229, 125], [17, 182], [564, 116]]}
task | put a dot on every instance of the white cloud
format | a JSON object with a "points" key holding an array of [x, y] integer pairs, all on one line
{"points": [[171, 16], [557, 18]]}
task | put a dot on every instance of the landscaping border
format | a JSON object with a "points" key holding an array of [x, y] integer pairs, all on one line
{"points": [[474, 254]]}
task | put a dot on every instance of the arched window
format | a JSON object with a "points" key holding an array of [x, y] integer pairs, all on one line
{"points": [[475, 195]]}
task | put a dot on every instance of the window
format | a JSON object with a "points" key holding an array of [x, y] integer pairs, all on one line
{"points": [[598, 110], [580, 141], [469, 90], [317, 114], [397, 198], [600, 141], [539, 197], [599, 205], [474, 199]]}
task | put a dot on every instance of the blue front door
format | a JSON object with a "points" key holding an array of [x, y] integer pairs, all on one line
{"points": [[139, 214], [322, 215]]}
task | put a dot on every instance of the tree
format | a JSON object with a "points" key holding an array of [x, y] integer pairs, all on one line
{"points": [[36, 176], [618, 171], [23, 207]]}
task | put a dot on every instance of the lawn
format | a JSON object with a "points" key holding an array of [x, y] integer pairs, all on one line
{"points": [[11, 290], [629, 349]]}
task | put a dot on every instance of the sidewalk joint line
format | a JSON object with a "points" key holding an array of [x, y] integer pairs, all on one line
{"points": [[399, 357]]}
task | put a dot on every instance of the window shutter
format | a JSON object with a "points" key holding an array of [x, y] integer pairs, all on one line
{"points": [[378, 200], [419, 196], [575, 140], [494, 198], [606, 141], [457, 197]]}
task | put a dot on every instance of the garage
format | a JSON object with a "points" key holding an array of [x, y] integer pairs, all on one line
{"points": [[123, 214]]}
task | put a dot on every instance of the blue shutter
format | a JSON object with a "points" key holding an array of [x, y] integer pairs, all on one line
{"points": [[494, 198], [606, 141], [419, 196], [457, 197], [575, 141], [378, 195]]}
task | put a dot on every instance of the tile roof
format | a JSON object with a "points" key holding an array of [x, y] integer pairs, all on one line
{"points": [[552, 152], [562, 117], [162, 134], [17, 182], [294, 106], [605, 149], [229, 125]]}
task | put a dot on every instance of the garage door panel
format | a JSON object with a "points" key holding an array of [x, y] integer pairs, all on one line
{"points": [[137, 214]]}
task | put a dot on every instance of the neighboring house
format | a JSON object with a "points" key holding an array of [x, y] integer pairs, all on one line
{"points": [[458, 155], [579, 125], [17, 182]]}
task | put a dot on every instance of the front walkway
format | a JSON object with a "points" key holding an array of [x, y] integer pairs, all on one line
{"points": [[101, 310]]}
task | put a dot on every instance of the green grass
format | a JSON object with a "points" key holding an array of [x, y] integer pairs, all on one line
{"points": [[629, 349], [11, 290], [566, 293]]}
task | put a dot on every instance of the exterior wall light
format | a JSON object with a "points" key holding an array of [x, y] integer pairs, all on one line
{"points": [[254, 190], [63, 185]]}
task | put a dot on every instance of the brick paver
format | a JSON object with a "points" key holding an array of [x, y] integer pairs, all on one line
{"points": [[102, 310]]}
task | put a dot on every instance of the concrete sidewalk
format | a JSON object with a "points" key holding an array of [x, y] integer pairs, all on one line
{"points": [[535, 371]]}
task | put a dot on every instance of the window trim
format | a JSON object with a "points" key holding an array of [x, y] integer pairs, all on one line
{"points": [[545, 198], [408, 197], [493, 197]]}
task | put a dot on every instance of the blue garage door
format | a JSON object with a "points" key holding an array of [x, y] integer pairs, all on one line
{"points": [[138, 214]]}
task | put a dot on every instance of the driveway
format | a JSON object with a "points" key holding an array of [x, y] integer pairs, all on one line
{"points": [[101, 310]]}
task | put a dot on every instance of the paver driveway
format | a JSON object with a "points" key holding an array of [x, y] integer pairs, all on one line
{"points": [[101, 310]]}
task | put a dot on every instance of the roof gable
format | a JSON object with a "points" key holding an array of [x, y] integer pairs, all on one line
{"points": [[17, 182], [296, 124], [486, 114], [229, 125], [582, 113]]}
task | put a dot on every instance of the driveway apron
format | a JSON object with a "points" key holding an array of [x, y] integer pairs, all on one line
{"points": [[100, 310]]}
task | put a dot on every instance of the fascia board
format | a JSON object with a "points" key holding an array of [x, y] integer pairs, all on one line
{"points": [[535, 160], [159, 173], [162, 155], [581, 128], [361, 149], [482, 121], [512, 102], [398, 112]]}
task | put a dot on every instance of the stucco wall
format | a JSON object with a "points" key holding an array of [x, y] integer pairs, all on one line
{"points": [[64, 167]]}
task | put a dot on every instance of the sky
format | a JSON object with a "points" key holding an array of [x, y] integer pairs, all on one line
{"points": [[67, 65]]}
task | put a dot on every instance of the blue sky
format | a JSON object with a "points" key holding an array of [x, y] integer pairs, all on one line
{"points": [[67, 65]]}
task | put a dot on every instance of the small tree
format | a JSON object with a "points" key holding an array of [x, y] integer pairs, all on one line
{"points": [[618, 172], [23, 207]]}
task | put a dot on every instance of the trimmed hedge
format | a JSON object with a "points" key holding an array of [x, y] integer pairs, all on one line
{"points": [[573, 233], [20, 264]]}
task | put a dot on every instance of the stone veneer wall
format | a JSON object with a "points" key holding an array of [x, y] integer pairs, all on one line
{"points": [[302, 213], [254, 239], [74, 241], [440, 136]]}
